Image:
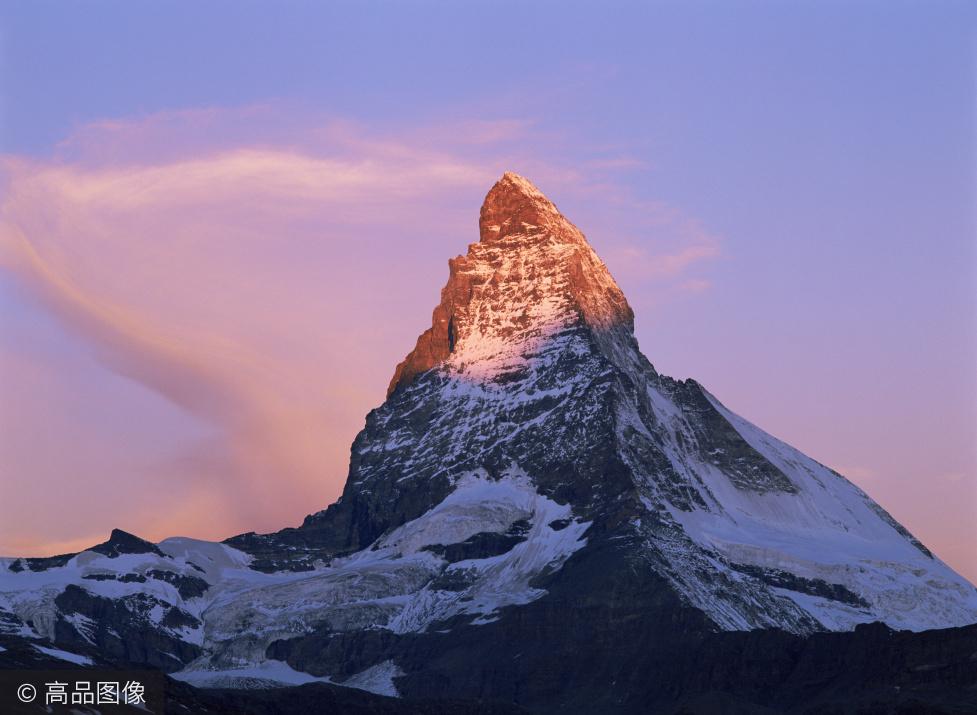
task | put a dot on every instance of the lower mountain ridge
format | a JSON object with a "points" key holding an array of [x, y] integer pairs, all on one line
{"points": [[535, 520]]}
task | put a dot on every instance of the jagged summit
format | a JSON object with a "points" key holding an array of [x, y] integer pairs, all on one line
{"points": [[531, 275], [514, 204], [122, 542]]}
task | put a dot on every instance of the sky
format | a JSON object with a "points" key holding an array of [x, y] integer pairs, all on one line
{"points": [[222, 224]]}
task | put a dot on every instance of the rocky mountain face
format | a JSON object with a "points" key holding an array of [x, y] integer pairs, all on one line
{"points": [[535, 516]]}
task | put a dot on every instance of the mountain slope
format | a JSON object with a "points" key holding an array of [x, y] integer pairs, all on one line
{"points": [[530, 481], [530, 370]]}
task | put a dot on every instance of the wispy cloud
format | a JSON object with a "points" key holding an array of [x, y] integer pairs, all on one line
{"points": [[641, 260], [665, 252]]}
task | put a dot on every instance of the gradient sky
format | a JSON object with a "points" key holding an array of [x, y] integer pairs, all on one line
{"points": [[222, 224]]}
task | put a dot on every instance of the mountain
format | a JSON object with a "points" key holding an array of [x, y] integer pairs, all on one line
{"points": [[533, 515]]}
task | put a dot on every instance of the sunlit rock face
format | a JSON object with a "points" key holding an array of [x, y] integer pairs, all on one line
{"points": [[531, 276], [532, 494]]}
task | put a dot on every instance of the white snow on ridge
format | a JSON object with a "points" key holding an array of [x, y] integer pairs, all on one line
{"points": [[830, 531], [476, 504], [30, 595], [386, 586], [389, 585], [267, 674], [64, 655], [377, 679], [393, 584]]}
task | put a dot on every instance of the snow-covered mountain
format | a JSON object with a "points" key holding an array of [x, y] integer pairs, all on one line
{"points": [[528, 464]]}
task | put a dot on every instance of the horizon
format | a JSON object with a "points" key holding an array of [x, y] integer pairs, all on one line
{"points": [[207, 282]]}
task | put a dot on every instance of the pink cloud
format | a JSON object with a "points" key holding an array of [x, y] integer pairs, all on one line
{"points": [[670, 264], [696, 285], [672, 245]]}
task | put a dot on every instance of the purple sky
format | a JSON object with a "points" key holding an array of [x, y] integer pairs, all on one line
{"points": [[222, 224]]}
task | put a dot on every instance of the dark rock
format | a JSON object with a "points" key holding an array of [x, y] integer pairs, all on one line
{"points": [[188, 586], [122, 542], [122, 630], [41, 563], [811, 586], [482, 545]]}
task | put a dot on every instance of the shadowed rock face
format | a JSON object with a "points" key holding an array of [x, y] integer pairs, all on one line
{"points": [[121, 628], [122, 542]]}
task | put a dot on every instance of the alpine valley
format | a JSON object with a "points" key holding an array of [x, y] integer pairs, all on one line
{"points": [[535, 520]]}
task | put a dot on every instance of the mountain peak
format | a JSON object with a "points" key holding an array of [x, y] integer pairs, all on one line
{"points": [[531, 277], [122, 542], [515, 205]]}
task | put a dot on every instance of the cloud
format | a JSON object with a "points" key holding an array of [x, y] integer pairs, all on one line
{"points": [[662, 251], [263, 277], [649, 264], [696, 285]]}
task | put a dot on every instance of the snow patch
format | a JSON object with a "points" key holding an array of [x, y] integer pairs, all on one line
{"points": [[65, 655], [378, 679], [392, 584], [270, 673], [827, 531]]}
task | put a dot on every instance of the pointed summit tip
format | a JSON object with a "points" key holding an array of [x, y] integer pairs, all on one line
{"points": [[531, 274], [511, 204], [514, 182]]}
